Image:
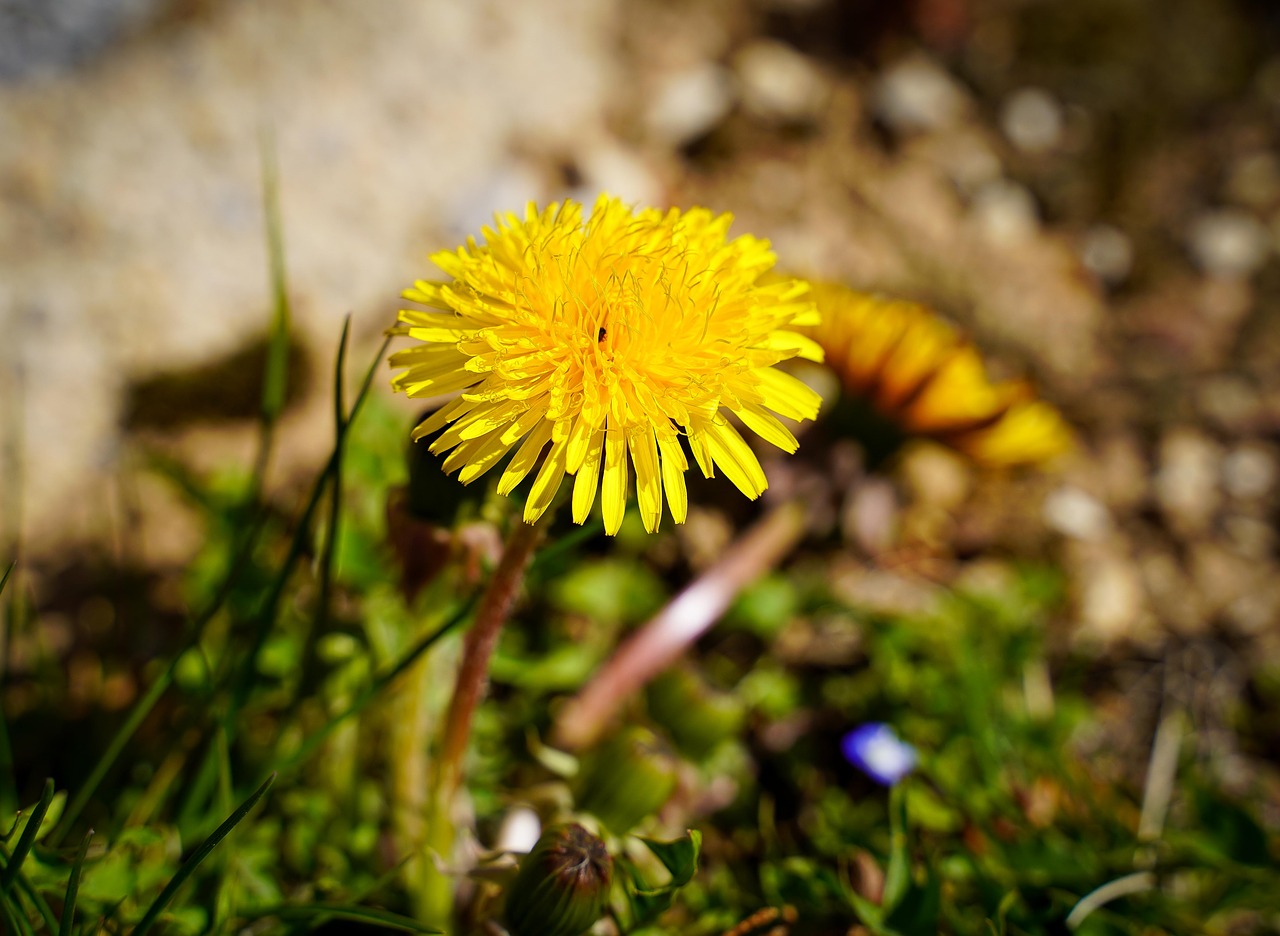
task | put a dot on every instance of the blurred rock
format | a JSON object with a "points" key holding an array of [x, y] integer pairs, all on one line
{"points": [[607, 166], [131, 235], [918, 95], [1249, 471], [936, 476], [1107, 253], [519, 831], [1123, 472], [1072, 512], [1228, 243], [1109, 594], [1032, 120], [779, 84], [508, 188], [870, 514], [41, 37], [1230, 403], [882, 591], [1186, 482], [1005, 213], [689, 103], [1172, 592], [1254, 180], [966, 157]]}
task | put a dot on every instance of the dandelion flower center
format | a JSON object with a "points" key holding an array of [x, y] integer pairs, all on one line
{"points": [[622, 340]]}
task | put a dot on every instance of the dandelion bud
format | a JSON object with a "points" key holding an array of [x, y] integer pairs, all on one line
{"points": [[562, 887], [626, 779]]}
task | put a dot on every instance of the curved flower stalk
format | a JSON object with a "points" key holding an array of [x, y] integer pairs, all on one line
{"points": [[610, 342], [917, 371]]}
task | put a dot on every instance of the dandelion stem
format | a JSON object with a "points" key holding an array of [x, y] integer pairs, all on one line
{"points": [[686, 618], [473, 676]]}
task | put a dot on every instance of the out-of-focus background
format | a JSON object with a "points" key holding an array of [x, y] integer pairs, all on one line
{"points": [[1092, 188]]}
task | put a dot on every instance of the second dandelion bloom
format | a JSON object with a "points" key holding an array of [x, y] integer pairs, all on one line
{"points": [[920, 374], [594, 345]]}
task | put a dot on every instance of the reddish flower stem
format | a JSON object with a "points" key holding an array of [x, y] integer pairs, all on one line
{"points": [[478, 647], [686, 618]]}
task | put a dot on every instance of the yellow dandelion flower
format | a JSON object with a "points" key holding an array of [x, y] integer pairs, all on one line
{"points": [[617, 340], [917, 371]]}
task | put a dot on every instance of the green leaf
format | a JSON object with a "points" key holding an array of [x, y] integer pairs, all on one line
{"points": [[680, 857], [30, 832], [189, 866]]}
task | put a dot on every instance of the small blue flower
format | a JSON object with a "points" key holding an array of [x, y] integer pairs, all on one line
{"points": [[875, 750]]}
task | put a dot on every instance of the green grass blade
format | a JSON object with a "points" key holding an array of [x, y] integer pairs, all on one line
{"points": [[371, 692], [4, 580], [276, 377], [267, 613], [73, 888], [320, 619], [319, 913], [141, 709], [27, 889], [15, 920], [189, 866], [27, 839]]}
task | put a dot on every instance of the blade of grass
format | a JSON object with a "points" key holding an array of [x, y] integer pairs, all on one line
{"points": [[142, 708], [27, 890], [73, 888], [379, 683], [15, 920], [265, 617], [276, 379], [4, 579], [27, 839], [199, 855], [319, 913], [316, 628]]}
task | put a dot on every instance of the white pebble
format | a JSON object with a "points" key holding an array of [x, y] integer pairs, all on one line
{"points": [[1005, 212], [1228, 243], [915, 94], [690, 103], [1032, 120], [778, 83], [519, 831], [1077, 514], [1107, 253], [1249, 472]]}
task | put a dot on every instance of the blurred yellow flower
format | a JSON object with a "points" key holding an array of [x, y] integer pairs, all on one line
{"points": [[916, 370], [607, 339]]}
